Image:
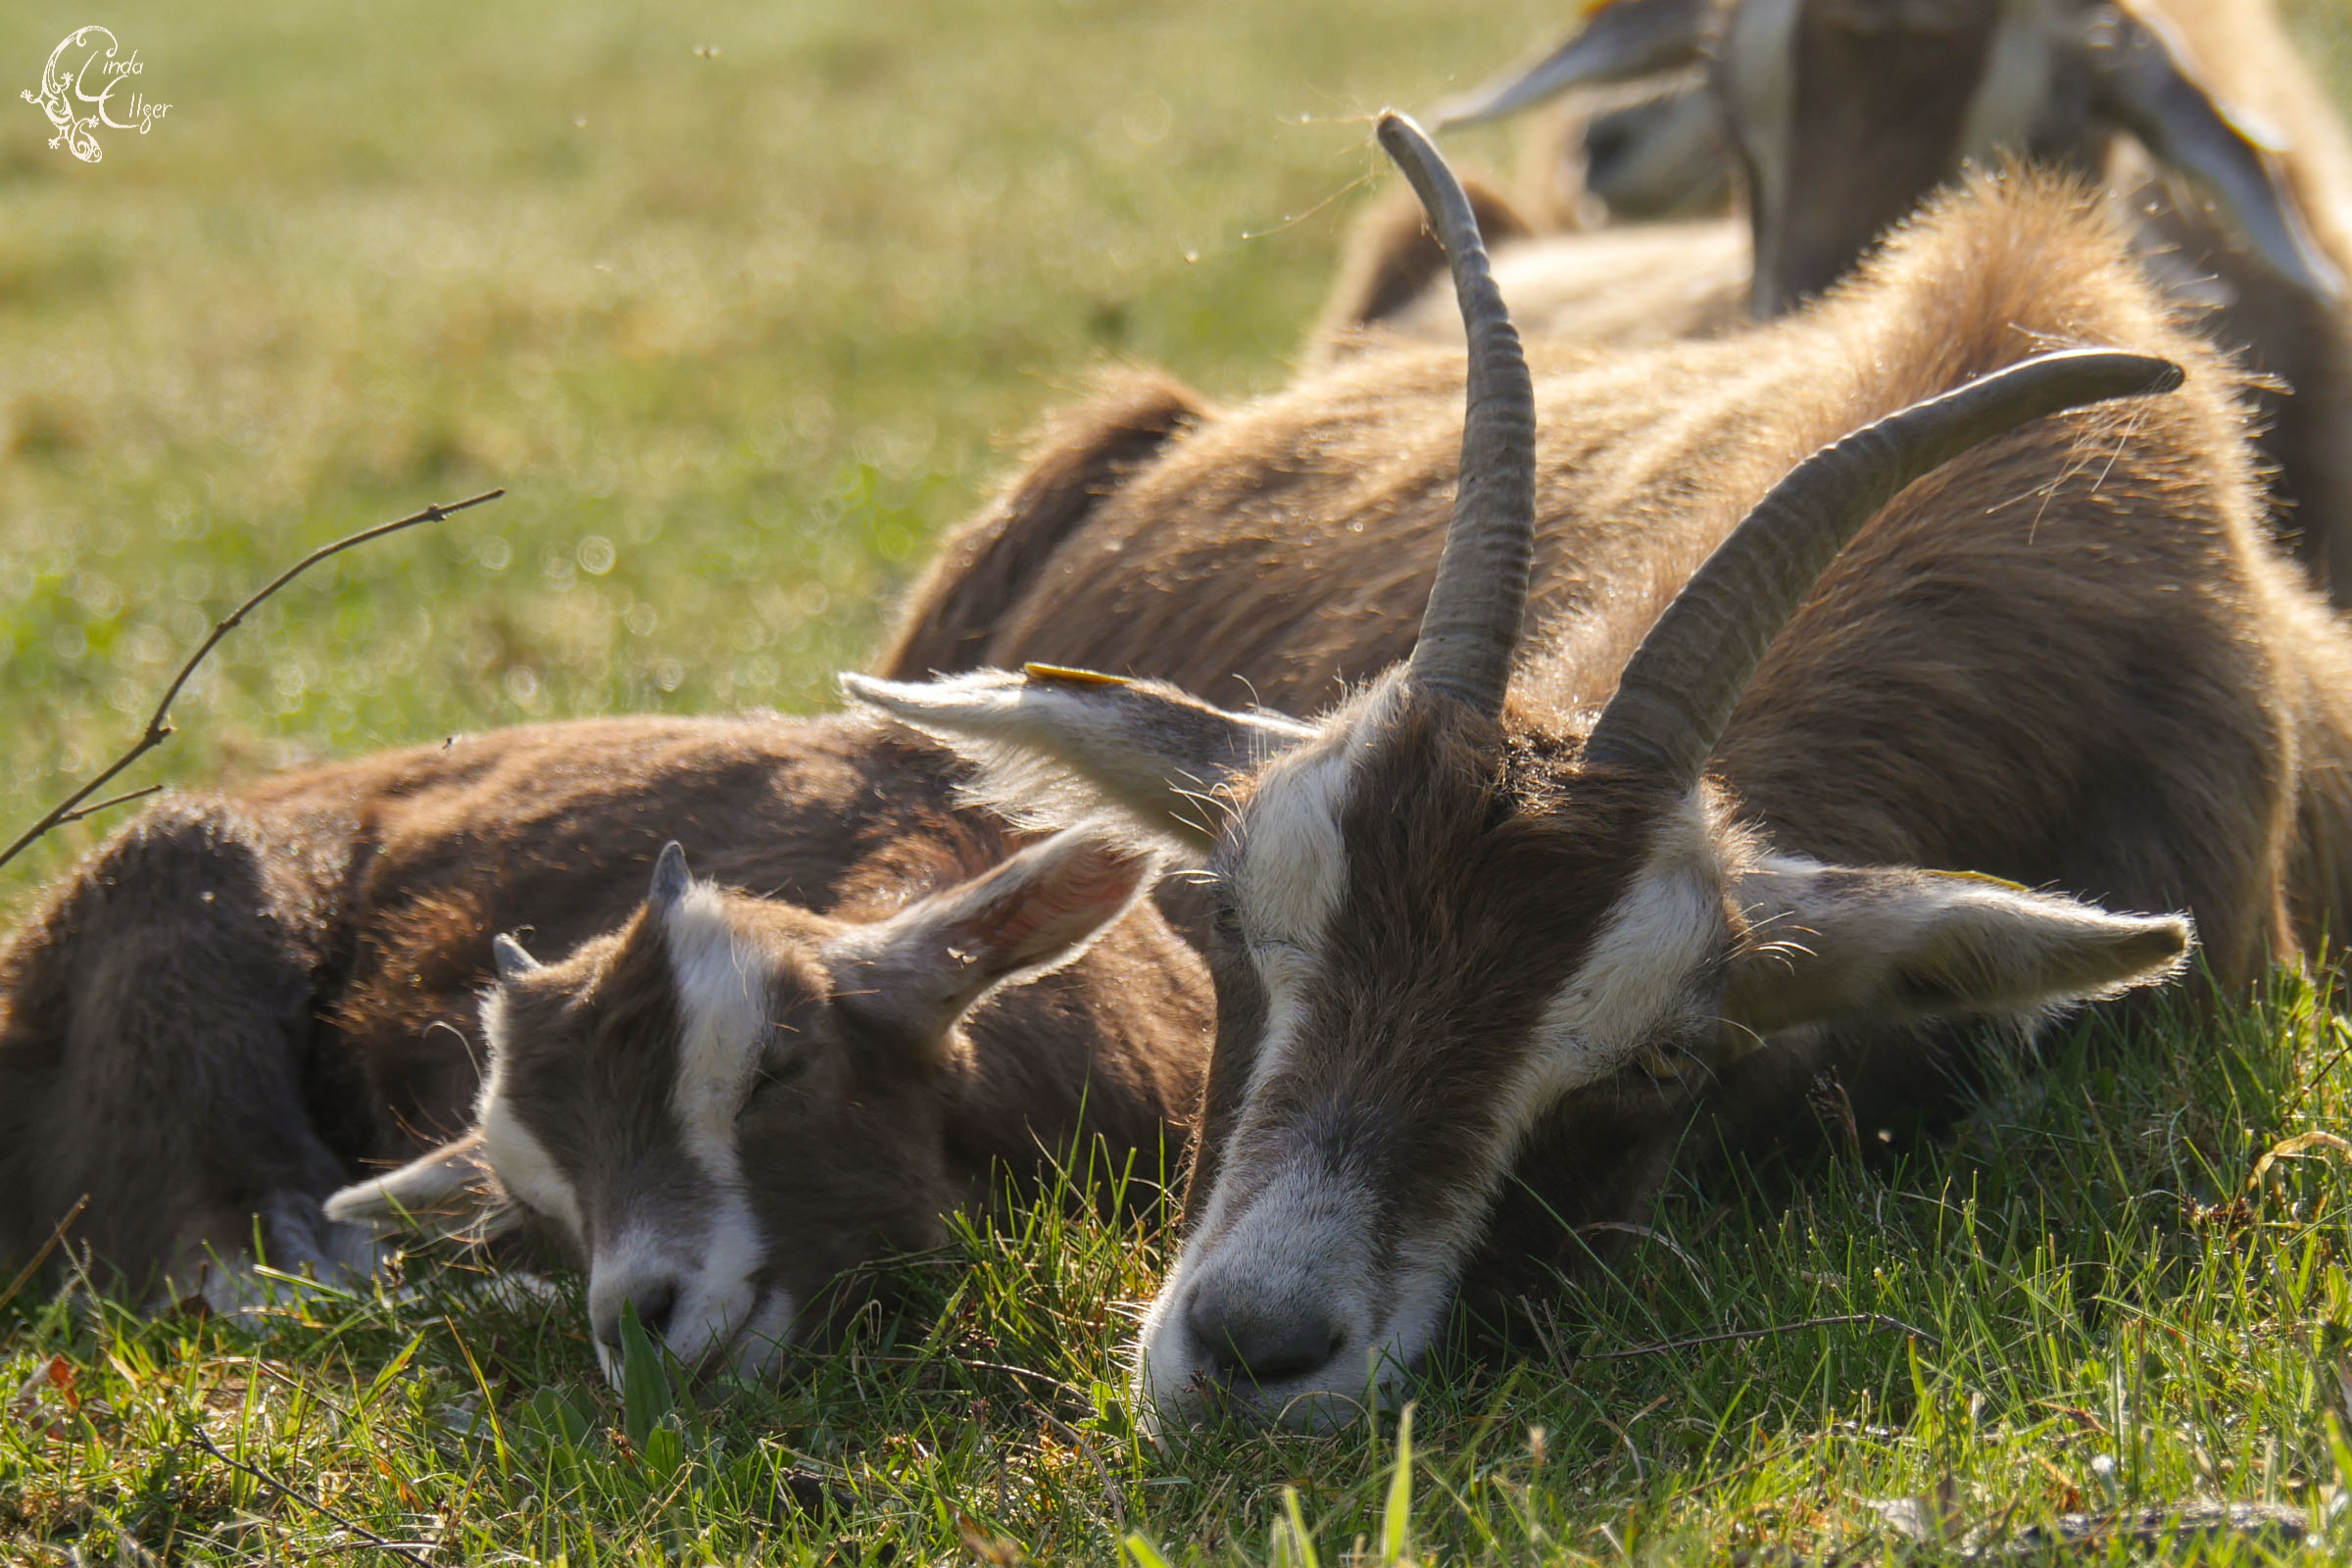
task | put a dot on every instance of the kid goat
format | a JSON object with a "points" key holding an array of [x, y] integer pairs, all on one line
{"points": [[716, 1101], [1523, 904]]}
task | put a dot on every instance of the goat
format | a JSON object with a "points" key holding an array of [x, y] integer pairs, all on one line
{"points": [[717, 1101], [1845, 112], [1521, 906], [1659, 155]]}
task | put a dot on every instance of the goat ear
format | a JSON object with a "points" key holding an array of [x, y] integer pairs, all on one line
{"points": [[919, 970], [671, 877], [510, 959], [1832, 944], [1058, 746], [446, 1192], [2143, 82]]}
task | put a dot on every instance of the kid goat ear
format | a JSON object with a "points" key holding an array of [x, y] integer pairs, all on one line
{"points": [[446, 1192], [918, 971]]}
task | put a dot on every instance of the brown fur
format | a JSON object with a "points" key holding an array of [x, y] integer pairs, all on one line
{"points": [[245, 1000], [1390, 258], [2131, 697], [864, 1136], [986, 564], [1865, 156], [2070, 658], [1881, 106]]}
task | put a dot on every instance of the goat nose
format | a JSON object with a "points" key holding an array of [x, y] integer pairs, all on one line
{"points": [[655, 1298], [1261, 1341]]}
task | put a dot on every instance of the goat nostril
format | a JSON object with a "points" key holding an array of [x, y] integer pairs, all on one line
{"points": [[1261, 1341], [655, 1304]]}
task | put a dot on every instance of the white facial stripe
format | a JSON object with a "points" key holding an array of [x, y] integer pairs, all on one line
{"points": [[1306, 1231], [527, 1170], [722, 1013], [2019, 68], [1292, 871], [513, 1153], [722, 986], [1669, 926]]}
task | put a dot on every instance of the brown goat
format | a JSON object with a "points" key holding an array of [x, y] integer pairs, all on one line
{"points": [[1464, 938], [1844, 114], [244, 1000]]}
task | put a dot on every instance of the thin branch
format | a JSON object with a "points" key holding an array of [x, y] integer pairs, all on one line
{"points": [[158, 723], [380, 1543], [108, 805], [56, 1236], [1876, 1320]]}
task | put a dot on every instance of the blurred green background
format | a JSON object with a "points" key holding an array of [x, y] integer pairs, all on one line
{"points": [[742, 302]]}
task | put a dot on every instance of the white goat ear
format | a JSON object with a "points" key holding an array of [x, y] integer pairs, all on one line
{"points": [[450, 1192], [1057, 746], [512, 963], [671, 877], [918, 970], [1835, 944], [2141, 81]]}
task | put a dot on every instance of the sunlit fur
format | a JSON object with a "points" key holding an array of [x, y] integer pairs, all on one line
{"points": [[2071, 660], [246, 1000], [1846, 115]]}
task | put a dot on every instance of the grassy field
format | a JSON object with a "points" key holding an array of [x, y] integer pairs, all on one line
{"points": [[743, 303]]}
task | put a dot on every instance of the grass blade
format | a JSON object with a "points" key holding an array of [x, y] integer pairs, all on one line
{"points": [[1397, 1515]]}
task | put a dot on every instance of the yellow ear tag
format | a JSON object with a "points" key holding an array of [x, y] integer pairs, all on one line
{"points": [[2000, 882], [1076, 677]]}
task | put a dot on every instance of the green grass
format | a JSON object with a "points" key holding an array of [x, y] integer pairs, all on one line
{"points": [[741, 331]]}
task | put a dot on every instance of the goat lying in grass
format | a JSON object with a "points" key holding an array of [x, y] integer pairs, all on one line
{"points": [[1725, 645], [715, 1100]]}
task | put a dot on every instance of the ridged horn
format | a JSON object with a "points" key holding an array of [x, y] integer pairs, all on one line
{"points": [[1624, 40], [1679, 689], [1470, 629]]}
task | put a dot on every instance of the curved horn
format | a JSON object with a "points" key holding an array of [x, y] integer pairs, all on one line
{"points": [[1679, 689], [1470, 629], [1625, 38]]}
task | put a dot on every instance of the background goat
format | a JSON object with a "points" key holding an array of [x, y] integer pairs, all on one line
{"points": [[1459, 938], [244, 999], [2200, 114]]}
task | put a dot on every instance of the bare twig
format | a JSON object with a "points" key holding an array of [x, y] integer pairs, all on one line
{"points": [[380, 1543], [1875, 1320], [158, 723], [56, 1236], [106, 804]]}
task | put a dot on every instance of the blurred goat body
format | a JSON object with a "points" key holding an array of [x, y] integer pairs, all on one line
{"points": [[243, 1000], [2200, 115], [2070, 659]]}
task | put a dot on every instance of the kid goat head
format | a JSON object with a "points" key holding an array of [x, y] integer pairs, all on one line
{"points": [[1443, 911], [729, 1102]]}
